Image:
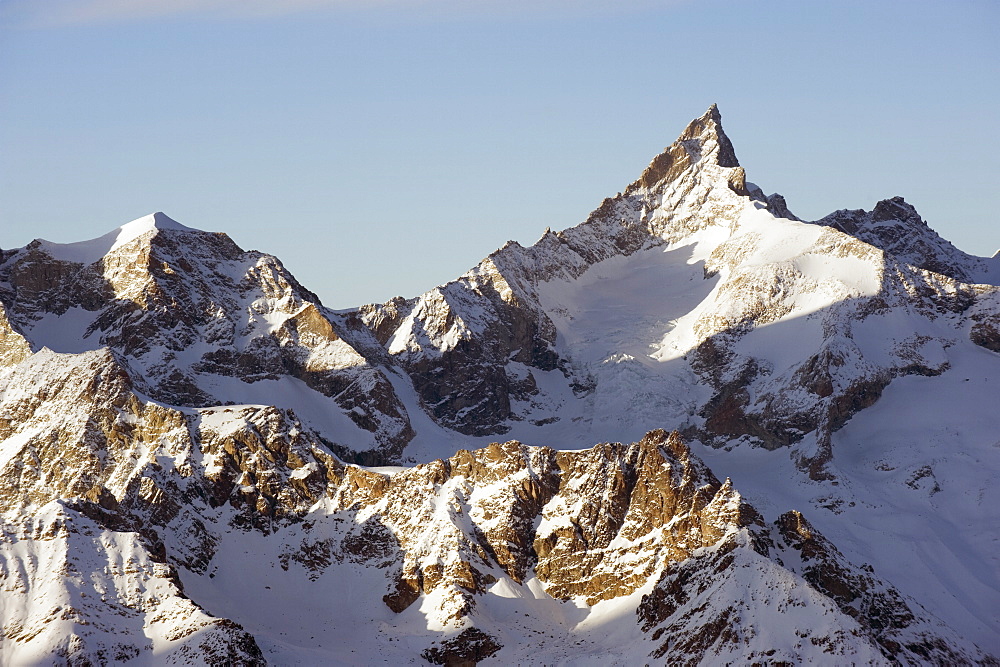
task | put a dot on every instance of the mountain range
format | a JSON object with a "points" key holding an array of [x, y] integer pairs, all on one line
{"points": [[201, 463]]}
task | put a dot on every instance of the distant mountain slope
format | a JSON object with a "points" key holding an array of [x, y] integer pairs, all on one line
{"points": [[895, 227]]}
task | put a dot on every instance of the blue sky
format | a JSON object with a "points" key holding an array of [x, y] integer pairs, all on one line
{"points": [[382, 147]]}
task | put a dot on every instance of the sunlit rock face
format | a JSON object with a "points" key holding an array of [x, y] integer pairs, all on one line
{"points": [[200, 463]]}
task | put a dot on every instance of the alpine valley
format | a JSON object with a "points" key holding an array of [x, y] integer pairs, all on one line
{"points": [[202, 464]]}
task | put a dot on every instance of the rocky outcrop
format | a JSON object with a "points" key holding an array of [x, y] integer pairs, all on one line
{"points": [[623, 511], [469, 647], [776, 204], [984, 321], [456, 342], [895, 227], [694, 616]]}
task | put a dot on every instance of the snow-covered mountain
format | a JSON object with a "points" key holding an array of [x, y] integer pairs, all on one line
{"points": [[187, 439], [197, 322]]}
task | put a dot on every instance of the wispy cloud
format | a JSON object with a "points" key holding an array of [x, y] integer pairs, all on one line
{"points": [[49, 13]]}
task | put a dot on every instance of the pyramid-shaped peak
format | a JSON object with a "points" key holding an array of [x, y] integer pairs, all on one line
{"points": [[896, 208], [709, 127], [703, 141]]}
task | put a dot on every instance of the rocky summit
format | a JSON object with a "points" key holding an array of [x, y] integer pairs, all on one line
{"points": [[202, 464]]}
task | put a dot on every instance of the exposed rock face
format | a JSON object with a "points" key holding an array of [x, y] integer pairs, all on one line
{"points": [[468, 648], [571, 519], [608, 517], [807, 577], [14, 348], [652, 498], [984, 321]]}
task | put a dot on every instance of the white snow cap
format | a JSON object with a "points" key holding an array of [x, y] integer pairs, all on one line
{"points": [[146, 223], [87, 252]]}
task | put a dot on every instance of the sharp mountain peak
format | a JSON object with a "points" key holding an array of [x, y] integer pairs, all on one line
{"points": [[703, 142], [709, 127]]}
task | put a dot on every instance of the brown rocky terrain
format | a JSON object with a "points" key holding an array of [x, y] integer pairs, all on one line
{"points": [[107, 482]]}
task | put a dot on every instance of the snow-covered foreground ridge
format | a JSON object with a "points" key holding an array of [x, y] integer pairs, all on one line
{"points": [[181, 424], [235, 536]]}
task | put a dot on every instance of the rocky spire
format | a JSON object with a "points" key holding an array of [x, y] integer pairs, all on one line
{"points": [[708, 128], [702, 141]]}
